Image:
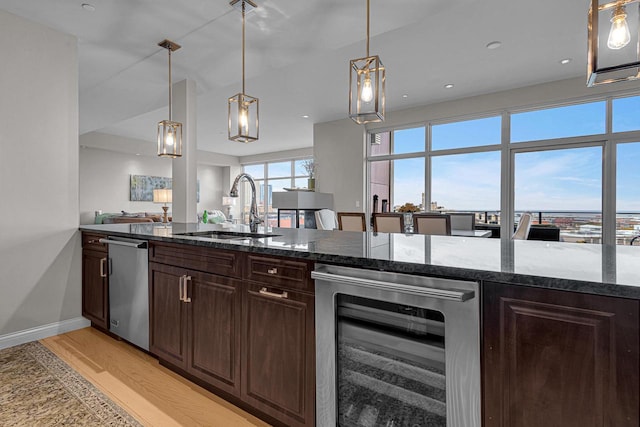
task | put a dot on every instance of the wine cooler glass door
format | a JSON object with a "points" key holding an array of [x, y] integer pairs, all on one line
{"points": [[390, 364]]}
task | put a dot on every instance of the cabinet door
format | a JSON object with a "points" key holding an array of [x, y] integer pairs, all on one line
{"points": [[554, 358], [278, 359], [95, 296], [167, 335], [214, 330]]}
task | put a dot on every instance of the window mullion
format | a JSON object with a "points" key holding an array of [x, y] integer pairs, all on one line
{"points": [[507, 190], [609, 215]]}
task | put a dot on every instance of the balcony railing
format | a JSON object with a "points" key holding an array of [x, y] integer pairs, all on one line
{"points": [[575, 226]]}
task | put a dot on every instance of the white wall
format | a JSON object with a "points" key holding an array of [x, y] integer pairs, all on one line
{"points": [[211, 188], [105, 182], [339, 151], [277, 155], [40, 258], [339, 146]]}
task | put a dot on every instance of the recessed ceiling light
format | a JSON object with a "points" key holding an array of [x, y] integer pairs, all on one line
{"points": [[88, 7], [305, 116], [137, 154], [565, 61], [494, 45], [405, 95], [448, 86]]}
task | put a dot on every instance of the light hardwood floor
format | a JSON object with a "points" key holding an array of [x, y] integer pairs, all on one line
{"points": [[151, 393]]}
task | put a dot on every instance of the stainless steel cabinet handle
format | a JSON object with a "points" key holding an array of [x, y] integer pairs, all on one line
{"points": [[264, 291], [137, 244], [272, 270], [103, 273], [185, 292], [181, 288], [452, 295]]}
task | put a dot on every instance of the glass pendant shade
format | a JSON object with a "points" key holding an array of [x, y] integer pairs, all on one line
{"points": [[243, 118], [613, 41], [169, 139], [366, 86], [243, 109], [366, 90], [169, 132]]}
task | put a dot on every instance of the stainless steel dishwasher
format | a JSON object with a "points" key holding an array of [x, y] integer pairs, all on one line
{"points": [[129, 289]]}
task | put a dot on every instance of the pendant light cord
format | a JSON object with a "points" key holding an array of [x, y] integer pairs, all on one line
{"points": [[243, 46], [170, 85], [367, 28]]}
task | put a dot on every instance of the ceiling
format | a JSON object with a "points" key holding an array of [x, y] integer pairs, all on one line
{"points": [[297, 57]]}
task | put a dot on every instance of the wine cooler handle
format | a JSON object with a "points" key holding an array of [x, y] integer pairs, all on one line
{"points": [[446, 294]]}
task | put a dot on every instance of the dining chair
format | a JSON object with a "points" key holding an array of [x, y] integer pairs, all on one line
{"points": [[463, 221], [524, 226], [432, 223], [388, 222], [352, 221], [326, 219]]}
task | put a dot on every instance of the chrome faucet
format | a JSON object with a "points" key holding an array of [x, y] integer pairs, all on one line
{"points": [[254, 218]]}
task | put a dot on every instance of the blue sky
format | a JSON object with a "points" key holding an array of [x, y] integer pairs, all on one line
{"points": [[567, 179]]}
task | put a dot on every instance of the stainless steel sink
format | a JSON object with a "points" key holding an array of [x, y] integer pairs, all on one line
{"points": [[228, 235]]}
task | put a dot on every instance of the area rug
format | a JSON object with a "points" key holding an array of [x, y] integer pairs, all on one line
{"points": [[39, 389]]}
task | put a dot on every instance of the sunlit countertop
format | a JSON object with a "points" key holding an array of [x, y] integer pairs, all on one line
{"points": [[588, 268]]}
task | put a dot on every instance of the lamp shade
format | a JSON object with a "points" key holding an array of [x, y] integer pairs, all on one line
{"points": [[366, 90], [243, 118], [162, 195], [169, 131], [169, 139], [366, 86], [613, 41]]}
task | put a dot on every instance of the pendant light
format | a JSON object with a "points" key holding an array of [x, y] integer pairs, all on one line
{"points": [[613, 43], [169, 132], [243, 109], [366, 86]]}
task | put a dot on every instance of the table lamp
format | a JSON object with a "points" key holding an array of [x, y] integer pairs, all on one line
{"points": [[227, 202], [162, 195]]}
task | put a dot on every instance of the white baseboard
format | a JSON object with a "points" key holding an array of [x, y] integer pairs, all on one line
{"points": [[40, 332]]}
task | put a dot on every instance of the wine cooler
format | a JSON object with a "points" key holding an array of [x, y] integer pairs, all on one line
{"points": [[396, 350]]}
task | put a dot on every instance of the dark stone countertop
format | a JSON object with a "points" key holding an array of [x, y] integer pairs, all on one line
{"points": [[587, 268]]}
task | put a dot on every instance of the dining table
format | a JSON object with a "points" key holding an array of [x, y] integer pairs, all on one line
{"points": [[458, 232], [471, 233]]}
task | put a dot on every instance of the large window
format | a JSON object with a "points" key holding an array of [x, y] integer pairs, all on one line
{"points": [[628, 192], [408, 182], [560, 122], [466, 182], [397, 169], [549, 161], [400, 141], [468, 133], [562, 188], [626, 112], [269, 178]]}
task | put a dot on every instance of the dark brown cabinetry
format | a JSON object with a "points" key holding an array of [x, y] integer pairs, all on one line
{"points": [[168, 330], [278, 361], [195, 324], [95, 284], [219, 329], [554, 358]]}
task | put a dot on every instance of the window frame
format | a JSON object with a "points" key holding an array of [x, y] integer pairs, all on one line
{"points": [[292, 178], [608, 141]]}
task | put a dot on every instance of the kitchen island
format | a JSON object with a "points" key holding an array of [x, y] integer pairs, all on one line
{"points": [[586, 268], [559, 322]]}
